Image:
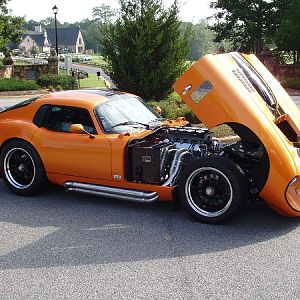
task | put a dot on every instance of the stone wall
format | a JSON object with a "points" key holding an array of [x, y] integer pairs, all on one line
{"points": [[31, 72], [6, 71]]}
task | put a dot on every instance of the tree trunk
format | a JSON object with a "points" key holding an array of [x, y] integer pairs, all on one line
{"points": [[294, 57], [258, 46]]}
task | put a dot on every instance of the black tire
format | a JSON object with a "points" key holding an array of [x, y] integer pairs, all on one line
{"points": [[212, 189], [22, 169]]}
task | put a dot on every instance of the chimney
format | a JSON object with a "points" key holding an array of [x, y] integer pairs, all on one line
{"points": [[38, 28]]}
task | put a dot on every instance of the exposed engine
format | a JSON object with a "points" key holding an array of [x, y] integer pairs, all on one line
{"points": [[159, 157]]}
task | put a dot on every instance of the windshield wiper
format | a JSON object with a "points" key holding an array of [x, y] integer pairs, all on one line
{"points": [[130, 123]]}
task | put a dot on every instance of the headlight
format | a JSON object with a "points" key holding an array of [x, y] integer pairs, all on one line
{"points": [[292, 193]]}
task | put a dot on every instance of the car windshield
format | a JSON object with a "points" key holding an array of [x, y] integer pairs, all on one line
{"points": [[123, 112]]}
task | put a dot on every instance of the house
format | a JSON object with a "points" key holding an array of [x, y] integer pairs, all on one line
{"points": [[36, 40], [68, 39]]}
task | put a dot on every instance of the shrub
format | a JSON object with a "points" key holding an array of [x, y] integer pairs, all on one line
{"points": [[222, 131], [292, 83], [51, 88], [12, 84], [145, 48], [173, 107], [65, 81]]}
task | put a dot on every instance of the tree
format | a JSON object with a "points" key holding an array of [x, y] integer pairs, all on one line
{"points": [[29, 25], [103, 14], [91, 33], [11, 28], [145, 49], [201, 41], [287, 38], [248, 23]]}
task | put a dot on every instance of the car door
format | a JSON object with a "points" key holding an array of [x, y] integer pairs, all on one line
{"points": [[64, 152]]}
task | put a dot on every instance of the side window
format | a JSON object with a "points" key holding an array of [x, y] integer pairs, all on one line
{"points": [[62, 117], [40, 115]]}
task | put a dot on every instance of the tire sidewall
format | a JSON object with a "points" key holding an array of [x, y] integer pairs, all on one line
{"points": [[39, 181], [235, 176]]}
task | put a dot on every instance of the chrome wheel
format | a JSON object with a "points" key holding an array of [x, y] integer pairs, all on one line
{"points": [[208, 192], [19, 168]]}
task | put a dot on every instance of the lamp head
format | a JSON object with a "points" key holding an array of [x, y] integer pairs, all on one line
{"points": [[54, 9]]}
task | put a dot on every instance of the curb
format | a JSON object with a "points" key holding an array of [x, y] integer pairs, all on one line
{"points": [[16, 94], [22, 96]]}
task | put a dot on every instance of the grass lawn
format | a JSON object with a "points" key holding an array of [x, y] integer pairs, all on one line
{"points": [[22, 62], [92, 81], [96, 58]]}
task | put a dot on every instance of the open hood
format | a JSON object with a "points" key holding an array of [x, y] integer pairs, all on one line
{"points": [[235, 88]]}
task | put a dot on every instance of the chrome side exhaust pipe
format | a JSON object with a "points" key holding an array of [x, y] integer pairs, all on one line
{"points": [[111, 192]]}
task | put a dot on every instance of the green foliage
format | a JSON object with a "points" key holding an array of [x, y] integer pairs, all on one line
{"points": [[92, 82], [173, 107], [222, 131], [201, 41], [145, 49], [12, 84], [103, 14], [248, 23], [66, 82], [11, 28], [288, 36], [292, 83]]}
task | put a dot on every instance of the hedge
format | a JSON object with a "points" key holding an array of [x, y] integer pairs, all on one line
{"points": [[67, 82], [12, 84]]}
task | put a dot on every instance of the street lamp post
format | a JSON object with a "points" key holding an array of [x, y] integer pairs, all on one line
{"points": [[55, 9]]}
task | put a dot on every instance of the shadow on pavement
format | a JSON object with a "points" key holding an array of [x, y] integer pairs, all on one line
{"points": [[64, 229]]}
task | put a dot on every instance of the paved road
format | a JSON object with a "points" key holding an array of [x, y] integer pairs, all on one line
{"points": [[68, 246], [90, 70], [297, 100]]}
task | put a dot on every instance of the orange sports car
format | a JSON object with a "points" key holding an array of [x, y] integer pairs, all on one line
{"points": [[109, 143]]}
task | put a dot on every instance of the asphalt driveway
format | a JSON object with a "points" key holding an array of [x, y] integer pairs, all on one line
{"points": [[69, 246]]}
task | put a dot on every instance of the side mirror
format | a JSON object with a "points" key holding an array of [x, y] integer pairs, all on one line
{"points": [[77, 128]]}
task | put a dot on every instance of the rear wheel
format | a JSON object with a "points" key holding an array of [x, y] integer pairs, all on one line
{"points": [[22, 169], [212, 189]]}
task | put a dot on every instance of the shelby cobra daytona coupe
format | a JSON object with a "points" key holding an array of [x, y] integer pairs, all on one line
{"points": [[108, 143]]}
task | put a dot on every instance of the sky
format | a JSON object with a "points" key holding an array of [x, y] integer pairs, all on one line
{"points": [[72, 11]]}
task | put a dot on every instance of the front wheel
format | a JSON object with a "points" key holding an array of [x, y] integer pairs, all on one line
{"points": [[22, 169], [212, 189]]}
